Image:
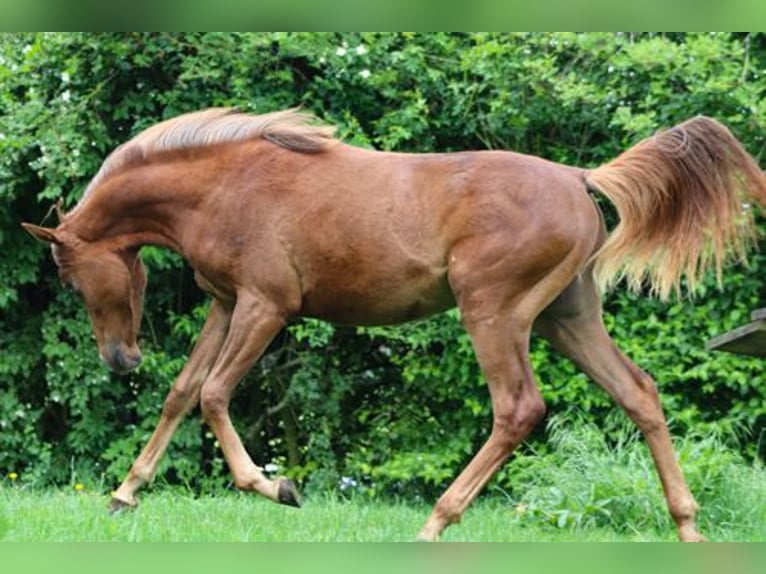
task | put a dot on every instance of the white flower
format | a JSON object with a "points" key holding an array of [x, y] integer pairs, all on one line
{"points": [[341, 51], [361, 50], [347, 482], [66, 95], [65, 77], [365, 73], [271, 467]]}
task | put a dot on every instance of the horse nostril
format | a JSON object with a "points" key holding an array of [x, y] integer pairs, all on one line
{"points": [[121, 361], [129, 361]]}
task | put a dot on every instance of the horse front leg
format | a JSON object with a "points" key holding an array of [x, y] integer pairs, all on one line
{"points": [[182, 397], [254, 324]]}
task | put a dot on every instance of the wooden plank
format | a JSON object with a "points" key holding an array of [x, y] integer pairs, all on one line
{"points": [[747, 340]]}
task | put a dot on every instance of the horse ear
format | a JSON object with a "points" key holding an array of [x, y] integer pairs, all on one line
{"points": [[42, 233]]}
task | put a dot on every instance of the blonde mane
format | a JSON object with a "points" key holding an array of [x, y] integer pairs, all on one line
{"points": [[291, 129]]}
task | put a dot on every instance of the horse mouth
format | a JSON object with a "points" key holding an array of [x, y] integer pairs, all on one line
{"points": [[120, 360]]}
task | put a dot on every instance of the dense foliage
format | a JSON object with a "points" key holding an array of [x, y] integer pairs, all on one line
{"points": [[394, 410]]}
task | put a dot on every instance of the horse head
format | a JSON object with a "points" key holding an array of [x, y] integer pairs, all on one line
{"points": [[111, 281]]}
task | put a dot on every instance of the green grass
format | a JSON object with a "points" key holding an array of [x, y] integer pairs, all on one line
{"points": [[588, 478], [164, 516], [583, 487]]}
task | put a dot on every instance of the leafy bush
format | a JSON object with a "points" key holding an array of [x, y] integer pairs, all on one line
{"points": [[394, 410], [605, 477]]}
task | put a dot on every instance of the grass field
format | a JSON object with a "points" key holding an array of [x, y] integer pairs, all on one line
{"points": [[171, 516], [582, 488], [165, 516]]}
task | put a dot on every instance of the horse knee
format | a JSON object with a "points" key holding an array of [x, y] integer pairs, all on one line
{"points": [[177, 403]]}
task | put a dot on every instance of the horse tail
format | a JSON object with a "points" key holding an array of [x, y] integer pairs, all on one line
{"points": [[683, 197]]}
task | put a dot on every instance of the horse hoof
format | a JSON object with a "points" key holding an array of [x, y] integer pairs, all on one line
{"points": [[117, 506], [288, 493]]}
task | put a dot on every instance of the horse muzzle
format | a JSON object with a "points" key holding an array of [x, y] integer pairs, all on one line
{"points": [[120, 359]]}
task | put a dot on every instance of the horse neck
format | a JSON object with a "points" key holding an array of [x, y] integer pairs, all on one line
{"points": [[142, 206]]}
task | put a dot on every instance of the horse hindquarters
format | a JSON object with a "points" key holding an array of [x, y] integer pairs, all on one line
{"points": [[500, 290]]}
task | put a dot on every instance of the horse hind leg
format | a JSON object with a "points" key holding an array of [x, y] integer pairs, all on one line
{"points": [[574, 325], [497, 308], [501, 346]]}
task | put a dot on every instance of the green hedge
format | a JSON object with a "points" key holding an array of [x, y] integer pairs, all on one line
{"points": [[393, 410]]}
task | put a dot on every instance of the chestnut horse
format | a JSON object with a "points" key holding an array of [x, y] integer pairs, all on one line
{"points": [[279, 220]]}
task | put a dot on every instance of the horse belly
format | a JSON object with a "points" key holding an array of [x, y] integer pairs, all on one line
{"points": [[382, 300]]}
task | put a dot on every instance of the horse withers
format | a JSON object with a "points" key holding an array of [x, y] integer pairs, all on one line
{"points": [[280, 220]]}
